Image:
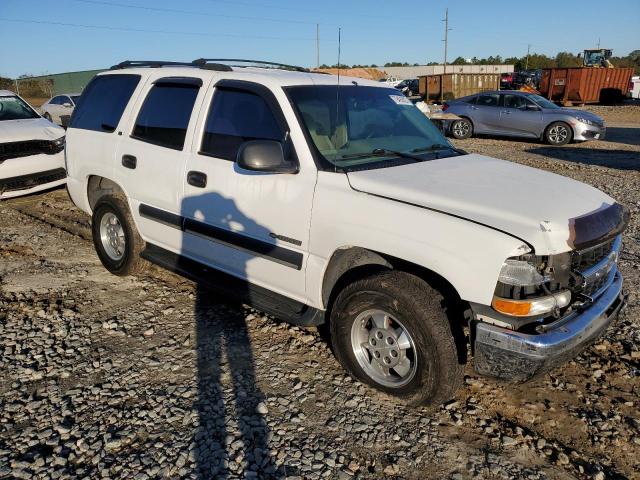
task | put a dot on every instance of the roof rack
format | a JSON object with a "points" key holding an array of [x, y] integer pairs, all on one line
{"points": [[148, 63], [217, 64], [206, 62]]}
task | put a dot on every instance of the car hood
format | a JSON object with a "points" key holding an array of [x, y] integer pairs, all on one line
{"points": [[575, 113], [535, 206], [29, 129]]}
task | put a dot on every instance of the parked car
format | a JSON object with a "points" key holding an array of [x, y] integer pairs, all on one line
{"points": [[58, 109], [409, 87], [506, 81], [350, 209], [31, 157], [522, 114]]}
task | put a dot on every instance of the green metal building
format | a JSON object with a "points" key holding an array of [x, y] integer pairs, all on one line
{"points": [[55, 84]]}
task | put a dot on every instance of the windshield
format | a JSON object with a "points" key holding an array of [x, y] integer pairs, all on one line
{"points": [[542, 102], [14, 108], [350, 126]]}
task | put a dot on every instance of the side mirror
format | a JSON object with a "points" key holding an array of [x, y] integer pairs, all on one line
{"points": [[264, 156], [67, 105]]}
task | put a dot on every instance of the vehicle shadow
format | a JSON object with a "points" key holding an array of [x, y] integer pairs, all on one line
{"points": [[626, 135], [618, 159], [232, 437]]}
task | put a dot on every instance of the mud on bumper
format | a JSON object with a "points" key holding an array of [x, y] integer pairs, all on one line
{"points": [[516, 356]]}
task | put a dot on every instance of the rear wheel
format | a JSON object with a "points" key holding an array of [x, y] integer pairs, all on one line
{"points": [[558, 133], [115, 236], [392, 332], [461, 129]]}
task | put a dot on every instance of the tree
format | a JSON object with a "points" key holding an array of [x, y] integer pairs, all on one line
{"points": [[459, 61], [568, 59]]}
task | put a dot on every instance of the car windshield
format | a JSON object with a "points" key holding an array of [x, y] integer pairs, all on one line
{"points": [[366, 126], [542, 102], [14, 108]]}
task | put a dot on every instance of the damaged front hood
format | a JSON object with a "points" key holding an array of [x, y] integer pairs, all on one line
{"points": [[29, 129], [538, 207]]}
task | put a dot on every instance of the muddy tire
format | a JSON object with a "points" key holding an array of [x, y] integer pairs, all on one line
{"points": [[391, 331], [115, 236], [461, 129], [558, 133]]}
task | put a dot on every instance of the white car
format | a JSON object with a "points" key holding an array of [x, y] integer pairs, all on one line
{"points": [[321, 199], [58, 109], [31, 149]]}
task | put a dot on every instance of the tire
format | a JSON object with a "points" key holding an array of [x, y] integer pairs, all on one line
{"points": [[48, 117], [558, 133], [415, 316], [461, 129], [111, 214]]}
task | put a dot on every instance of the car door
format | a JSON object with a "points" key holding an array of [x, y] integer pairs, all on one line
{"points": [[151, 157], [66, 109], [53, 108], [252, 225], [519, 116], [486, 113]]}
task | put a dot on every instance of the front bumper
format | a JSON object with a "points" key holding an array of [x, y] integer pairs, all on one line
{"points": [[516, 356], [583, 132]]}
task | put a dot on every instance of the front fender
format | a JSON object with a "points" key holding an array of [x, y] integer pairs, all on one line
{"points": [[467, 255]]}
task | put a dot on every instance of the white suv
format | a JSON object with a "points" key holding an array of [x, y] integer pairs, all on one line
{"points": [[324, 199], [31, 149]]}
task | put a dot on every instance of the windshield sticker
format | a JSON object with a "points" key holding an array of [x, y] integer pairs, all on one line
{"points": [[400, 100]]}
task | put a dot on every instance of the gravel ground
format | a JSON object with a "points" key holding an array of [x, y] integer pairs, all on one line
{"points": [[149, 377]]}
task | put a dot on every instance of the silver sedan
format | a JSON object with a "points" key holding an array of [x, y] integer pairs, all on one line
{"points": [[522, 114]]}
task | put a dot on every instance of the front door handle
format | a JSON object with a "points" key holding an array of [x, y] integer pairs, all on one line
{"points": [[129, 161], [506, 112], [197, 179]]}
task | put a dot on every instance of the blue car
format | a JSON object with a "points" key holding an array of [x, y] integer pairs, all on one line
{"points": [[521, 114]]}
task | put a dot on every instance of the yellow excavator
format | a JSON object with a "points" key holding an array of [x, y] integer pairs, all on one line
{"points": [[597, 58]]}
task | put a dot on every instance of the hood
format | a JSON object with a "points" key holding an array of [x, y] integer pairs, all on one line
{"points": [[29, 129], [576, 114], [533, 205]]}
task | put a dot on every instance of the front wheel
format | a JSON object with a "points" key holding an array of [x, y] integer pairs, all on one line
{"points": [[115, 236], [392, 332], [461, 129], [558, 133]]}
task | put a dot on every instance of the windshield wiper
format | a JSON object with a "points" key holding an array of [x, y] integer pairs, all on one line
{"points": [[382, 152], [439, 146]]}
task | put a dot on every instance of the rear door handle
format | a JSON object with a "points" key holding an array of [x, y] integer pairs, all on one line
{"points": [[129, 161], [197, 179]]}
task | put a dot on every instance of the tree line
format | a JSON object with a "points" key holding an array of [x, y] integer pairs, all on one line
{"points": [[532, 61]]}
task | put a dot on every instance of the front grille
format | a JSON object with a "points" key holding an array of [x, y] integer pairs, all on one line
{"points": [[583, 259], [27, 148], [24, 182]]}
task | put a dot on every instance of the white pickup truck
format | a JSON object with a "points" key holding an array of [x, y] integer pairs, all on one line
{"points": [[320, 199]]}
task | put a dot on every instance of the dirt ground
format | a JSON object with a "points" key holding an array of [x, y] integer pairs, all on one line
{"points": [[149, 377]]}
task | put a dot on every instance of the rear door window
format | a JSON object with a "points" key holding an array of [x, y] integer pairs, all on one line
{"points": [[164, 116], [236, 117], [489, 100], [103, 101]]}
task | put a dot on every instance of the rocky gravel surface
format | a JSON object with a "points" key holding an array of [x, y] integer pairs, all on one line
{"points": [[152, 377]]}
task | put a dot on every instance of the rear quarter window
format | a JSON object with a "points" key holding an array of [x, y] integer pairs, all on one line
{"points": [[102, 103]]}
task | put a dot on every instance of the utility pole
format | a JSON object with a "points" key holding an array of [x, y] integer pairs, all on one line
{"points": [[318, 45], [17, 87], [598, 43], [526, 64], [446, 37]]}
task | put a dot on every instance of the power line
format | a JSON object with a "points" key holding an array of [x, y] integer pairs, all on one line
{"points": [[299, 9], [143, 30], [189, 12]]}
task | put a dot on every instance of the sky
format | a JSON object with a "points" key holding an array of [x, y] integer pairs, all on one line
{"points": [[47, 36]]}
